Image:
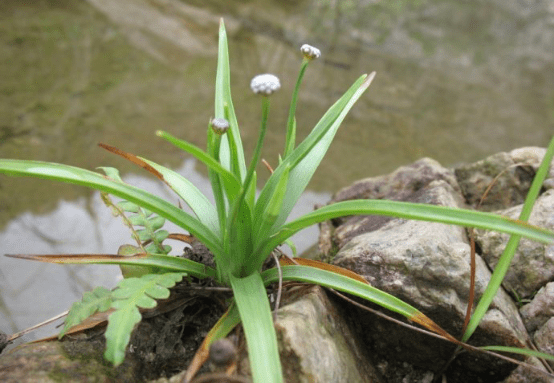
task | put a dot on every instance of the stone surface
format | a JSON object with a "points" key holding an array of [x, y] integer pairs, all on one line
{"points": [[426, 265], [509, 175], [533, 263], [523, 374], [540, 309], [48, 362], [402, 185], [544, 338], [325, 339], [317, 346]]}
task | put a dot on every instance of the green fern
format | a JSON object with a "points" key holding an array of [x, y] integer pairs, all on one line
{"points": [[144, 218], [131, 294], [97, 300], [151, 225]]}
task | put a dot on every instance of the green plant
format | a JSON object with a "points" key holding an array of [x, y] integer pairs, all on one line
{"points": [[242, 230]]}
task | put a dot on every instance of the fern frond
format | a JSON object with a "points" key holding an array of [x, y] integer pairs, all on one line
{"points": [[141, 217], [131, 294], [97, 300]]}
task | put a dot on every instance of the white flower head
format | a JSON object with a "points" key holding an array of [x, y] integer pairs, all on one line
{"points": [[219, 125], [310, 52], [265, 84]]}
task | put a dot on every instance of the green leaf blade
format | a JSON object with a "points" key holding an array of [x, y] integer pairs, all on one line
{"points": [[507, 255], [230, 181], [521, 351], [131, 194], [253, 305], [198, 202], [156, 222], [304, 160], [121, 324], [231, 150], [340, 282], [408, 210]]}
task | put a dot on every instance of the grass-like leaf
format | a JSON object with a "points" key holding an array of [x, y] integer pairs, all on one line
{"points": [[231, 150], [304, 160], [355, 287], [506, 258], [230, 181], [193, 197], [97, 300], [78, 176], [408, 210], [521, 351], [131, 294], [154, 261], [251, 299]]}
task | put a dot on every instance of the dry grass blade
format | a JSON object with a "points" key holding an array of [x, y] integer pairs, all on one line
{"points": [[73, 258], [134, 159], [222, 328], [37, 326], [286, 261], [181, 237], [466, 346]]}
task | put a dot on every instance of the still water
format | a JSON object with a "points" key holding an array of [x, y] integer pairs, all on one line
{"points": [[456, 81]]}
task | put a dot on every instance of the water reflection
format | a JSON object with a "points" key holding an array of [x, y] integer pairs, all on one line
{"points": [[31, 292]]}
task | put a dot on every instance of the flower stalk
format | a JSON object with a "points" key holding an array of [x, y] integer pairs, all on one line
{"points": [[310, 53]]}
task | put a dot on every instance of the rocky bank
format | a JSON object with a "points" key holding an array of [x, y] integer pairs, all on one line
{"points": [[326, 339]]}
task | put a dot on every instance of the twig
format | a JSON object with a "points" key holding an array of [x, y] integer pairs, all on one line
{"points": [[467, 347], [32, 328], [267, 165]]}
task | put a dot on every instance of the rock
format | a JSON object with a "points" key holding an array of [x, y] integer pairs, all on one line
{"points": [[49, 362], [544, 338], [3, 341], [426, 265], [325, 339], [402, 184], [540, 309], [533, 263], [316, 345], [523, 374], [511, 172], [160, 346]]}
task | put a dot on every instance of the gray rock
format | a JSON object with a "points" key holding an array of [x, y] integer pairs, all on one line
{"points": [[509, 175], [316, 345], [540, 309], [524, 374], [533, 263], [544, 338], [426, 265], [402, 184]]}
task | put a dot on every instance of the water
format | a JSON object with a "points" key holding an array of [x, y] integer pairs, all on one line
{"points": [[455, 81]]}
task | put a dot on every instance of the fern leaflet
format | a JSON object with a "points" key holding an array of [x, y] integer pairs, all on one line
{"points": [[131, 294], [99, 299], [150, 235]]}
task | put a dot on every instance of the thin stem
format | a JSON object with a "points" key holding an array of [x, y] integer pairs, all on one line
{"points": [[245, 186], [255, 159], [214, 142], [291, 124], [259, 144]]}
